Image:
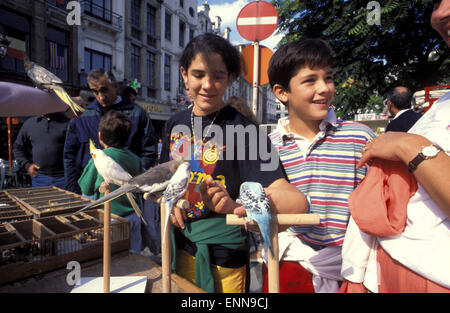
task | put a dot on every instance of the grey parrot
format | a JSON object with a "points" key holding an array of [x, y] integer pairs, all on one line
{"points": [[44, 79], [154, 180]]}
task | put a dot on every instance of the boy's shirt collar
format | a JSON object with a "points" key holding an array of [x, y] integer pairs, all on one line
{"points": [[284, 122]]}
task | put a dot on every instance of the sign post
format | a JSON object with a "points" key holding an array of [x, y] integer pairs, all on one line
{"points": [[255, 22]]}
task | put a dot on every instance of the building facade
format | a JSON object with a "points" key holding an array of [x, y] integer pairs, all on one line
{"points": [[138, 40]]}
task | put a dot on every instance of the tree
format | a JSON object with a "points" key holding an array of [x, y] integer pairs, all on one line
{"points": [[369, 59]]}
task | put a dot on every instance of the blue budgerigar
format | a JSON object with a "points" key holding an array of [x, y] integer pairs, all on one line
{"points": [[257, 206]]}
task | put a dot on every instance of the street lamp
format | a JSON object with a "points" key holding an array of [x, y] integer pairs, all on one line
{"points": [[4, 43]]}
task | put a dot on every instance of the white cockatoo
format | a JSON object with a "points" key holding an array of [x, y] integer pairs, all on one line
{"points": [[152, 181], [176, 189], [113, 173]]}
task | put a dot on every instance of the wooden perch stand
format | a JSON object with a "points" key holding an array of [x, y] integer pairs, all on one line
{"points": [[273, 266], [165, 247], [105, 188]]}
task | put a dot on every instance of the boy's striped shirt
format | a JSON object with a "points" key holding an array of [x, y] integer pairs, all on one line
{"points": [[326, 173]]}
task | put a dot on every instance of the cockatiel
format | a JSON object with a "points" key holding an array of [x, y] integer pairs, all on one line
{"points": [[113, 173], [44, 79], [257, 207], [176, 189], [154, 180]]}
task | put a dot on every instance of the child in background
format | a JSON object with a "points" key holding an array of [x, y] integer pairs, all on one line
{"points": [[319, 153], [113, 132]]}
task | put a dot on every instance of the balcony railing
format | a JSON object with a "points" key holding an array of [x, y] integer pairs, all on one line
{"points": [[102, 13]]}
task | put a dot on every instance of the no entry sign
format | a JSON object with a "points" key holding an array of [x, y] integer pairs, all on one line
{"points": [[257, 20]]}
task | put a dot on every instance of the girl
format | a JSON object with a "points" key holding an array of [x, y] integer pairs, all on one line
{"points": [[205, 250]]}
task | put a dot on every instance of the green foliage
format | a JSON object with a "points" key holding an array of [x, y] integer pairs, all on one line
{"points": [[376, 57]]}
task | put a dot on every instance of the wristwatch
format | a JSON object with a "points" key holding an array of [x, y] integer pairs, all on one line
{"points": [[427, 152]]}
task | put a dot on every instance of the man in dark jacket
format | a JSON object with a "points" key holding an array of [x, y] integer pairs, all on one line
{"points": [[398, 102], [141, 142], [39, 149]]}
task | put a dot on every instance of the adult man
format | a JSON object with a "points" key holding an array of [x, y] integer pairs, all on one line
{"points": [[39, 149], [398, 102], [142, 141]]}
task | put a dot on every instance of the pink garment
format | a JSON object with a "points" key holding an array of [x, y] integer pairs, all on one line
{"points": [[378, 205]]}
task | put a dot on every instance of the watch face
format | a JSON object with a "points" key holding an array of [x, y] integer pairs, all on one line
{"points": [[430, 151]]}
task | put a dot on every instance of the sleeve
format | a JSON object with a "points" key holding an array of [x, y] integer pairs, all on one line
{"points": [[262, 162], [149, 152], [165, 153], [22, 148], [88, 179], [71, 170]]}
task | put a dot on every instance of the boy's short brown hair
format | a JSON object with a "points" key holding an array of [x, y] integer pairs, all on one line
{"points": [[290, 58], [115, 129]]}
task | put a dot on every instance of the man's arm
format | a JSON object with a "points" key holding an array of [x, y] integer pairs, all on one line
{"points": [[22, 149]]}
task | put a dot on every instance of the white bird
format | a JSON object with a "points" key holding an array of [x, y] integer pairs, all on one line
{"points": [[176, 189], [113, 173], [152, 181]]}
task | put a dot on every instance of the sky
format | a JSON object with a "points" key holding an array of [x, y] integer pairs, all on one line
{"points": [[228, 11]]}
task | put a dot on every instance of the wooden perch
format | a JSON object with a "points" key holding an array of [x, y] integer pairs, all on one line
{"points": [[273, 266], [283, 219]]}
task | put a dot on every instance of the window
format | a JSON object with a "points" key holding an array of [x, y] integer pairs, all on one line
{"points": [[94, 59], [17, 30], [135, 56], [182, 34], [182, 3], [135, 19], [98, 8], [151, 75], [57, 52], [167, 72], [191, 34], [191, 12], [151, 26], [168, 26]]}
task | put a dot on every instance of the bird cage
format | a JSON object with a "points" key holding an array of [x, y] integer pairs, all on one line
{"points": [[48, 201], [35, 246]]}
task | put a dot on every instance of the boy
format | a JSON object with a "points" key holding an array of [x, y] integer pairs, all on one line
{"points": [[113, 132], [320, 154]]}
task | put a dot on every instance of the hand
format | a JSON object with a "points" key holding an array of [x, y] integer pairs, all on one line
{"points": [[33, 170], [179, 213], [216, 197], [394, 146]]}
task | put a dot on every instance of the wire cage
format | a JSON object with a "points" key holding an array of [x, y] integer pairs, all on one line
{"points": [[35, 246], [47, 201], [11, 210]]}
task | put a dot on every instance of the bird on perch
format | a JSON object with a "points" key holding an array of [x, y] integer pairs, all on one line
{"points": [[257, 207], [154, 180], [176, 189], [44, 79], [113, 173]]}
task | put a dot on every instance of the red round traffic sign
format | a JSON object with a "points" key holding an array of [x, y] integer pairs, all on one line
{"points": [[257, 20]]}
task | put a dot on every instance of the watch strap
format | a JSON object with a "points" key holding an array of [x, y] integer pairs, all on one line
{"points": [[414, 163]]}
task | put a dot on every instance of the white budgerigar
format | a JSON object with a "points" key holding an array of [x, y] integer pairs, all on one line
{"points": [[113, 173], [176, 189], [44, 79], [257, 207]]}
